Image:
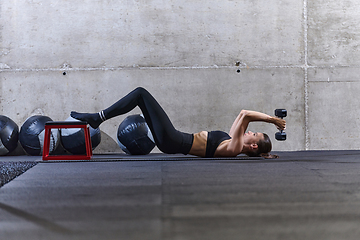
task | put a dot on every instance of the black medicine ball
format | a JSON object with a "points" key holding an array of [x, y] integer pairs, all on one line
{"points": [[32, 135], [9, 135], [73, 139], [134, 136]]}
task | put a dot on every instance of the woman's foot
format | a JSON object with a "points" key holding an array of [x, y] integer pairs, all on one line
{"points": [[91, 118]]}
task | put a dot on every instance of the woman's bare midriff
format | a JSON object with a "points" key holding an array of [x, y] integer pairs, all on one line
{"points": [[198, 147]]}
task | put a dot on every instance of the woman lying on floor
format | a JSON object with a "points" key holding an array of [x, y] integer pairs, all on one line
{"points": [[202, 144]]}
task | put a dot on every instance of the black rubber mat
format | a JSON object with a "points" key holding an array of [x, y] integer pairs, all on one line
{"points": [[153, 157], [322, 155]]}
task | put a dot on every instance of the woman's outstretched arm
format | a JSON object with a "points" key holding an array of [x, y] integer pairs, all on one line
{"points": [[247, 116]]}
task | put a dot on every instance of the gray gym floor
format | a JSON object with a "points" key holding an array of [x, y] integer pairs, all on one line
{"points": [[301, 195]]}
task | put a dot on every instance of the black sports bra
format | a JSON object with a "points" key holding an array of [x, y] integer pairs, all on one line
{"points": [[213, 141]]}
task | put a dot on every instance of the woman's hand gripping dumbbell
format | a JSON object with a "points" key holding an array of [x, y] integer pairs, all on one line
{"points": [[281, 124]]}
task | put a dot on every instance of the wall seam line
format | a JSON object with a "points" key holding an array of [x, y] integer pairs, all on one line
{"points": [[305, 67], [306, 80]]}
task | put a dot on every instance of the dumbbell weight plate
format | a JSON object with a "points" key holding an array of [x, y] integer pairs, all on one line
{"points": [[280, 136], [281, 113]]}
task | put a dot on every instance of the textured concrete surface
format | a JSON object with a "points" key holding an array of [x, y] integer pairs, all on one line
{"points": [[333, 115], [301, 55], [302, 195], [96, 34]]}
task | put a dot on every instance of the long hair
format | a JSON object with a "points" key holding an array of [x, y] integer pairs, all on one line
{"points": [[264, 148]]}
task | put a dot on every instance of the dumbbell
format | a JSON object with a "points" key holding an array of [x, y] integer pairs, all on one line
{"points": [[281, 113]]}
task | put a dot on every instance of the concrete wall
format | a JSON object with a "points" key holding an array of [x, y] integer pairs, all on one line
{"points": [[58, 56]]}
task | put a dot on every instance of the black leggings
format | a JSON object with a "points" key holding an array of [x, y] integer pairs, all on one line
{"points": [[167, 138]]}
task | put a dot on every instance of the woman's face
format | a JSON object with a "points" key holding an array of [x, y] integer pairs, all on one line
{"points": [[251, 137]]}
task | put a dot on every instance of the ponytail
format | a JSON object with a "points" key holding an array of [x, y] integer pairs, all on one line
{"points": [[269, 156]]}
